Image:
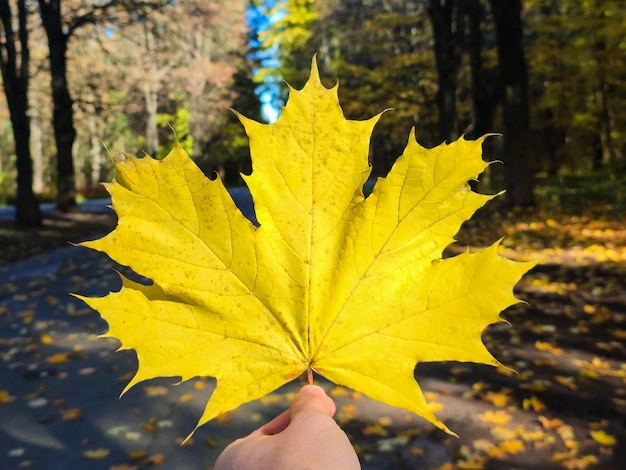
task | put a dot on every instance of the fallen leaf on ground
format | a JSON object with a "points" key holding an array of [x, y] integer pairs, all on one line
{"points": [[338, 392], [156, 459], [512, 446], [58, 358], [6, 397], [533, 403], [499, 399], [71, 414], [603, 438], [155, 391], [374, 429], [46, 339], [495, 417], [136, 455], [548, 423], [96, 453], [548, 347]]}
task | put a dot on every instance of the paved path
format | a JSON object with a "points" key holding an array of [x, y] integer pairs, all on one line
{"points": [[60, 382], [241, 196], [95, 206]]}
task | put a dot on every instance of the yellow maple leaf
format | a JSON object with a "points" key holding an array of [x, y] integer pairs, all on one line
{"points": [[352, 288]]}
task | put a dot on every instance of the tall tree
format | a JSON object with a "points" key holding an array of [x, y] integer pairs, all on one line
{"points": [[14, 63], [59, 30], [514, 94], [448, 24], [482, 91], [63, 113], [287, 44], [182, 61], [373, 46], [576, 81]]}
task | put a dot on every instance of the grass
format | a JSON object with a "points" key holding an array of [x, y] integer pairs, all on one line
{"points": [[596, 192]]}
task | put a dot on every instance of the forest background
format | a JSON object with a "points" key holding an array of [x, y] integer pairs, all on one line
{"points": [[84, 78]]}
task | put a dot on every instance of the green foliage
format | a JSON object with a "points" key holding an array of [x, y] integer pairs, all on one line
{"points": [[289, 37], [227, 153], [7, 166], [7, 187], [383, 53], [179, 124], [576, 54], [584, 193], [392, 66]]}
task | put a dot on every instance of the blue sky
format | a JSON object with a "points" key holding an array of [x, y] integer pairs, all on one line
{"points": [[259, 19]]}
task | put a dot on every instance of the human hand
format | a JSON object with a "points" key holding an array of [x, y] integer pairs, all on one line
{"points": [[303, 437]]}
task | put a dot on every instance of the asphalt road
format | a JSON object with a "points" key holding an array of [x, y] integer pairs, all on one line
{"points": [[60, 385], [60, 382]]}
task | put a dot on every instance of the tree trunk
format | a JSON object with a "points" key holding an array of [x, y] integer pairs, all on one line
{"points": [[36, 134], [63, 114], [151, 95], [608, 156], [482, 91], [152, 130], [482, 94], [15, 78], [447, 58], [97, 162], [514, 93], [94, 167], [602, 93]]}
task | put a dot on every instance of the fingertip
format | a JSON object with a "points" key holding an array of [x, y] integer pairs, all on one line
{"points": [[313, 397], [311, 390]]}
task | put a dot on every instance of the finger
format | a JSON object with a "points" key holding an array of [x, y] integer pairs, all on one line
{"points": [[312, 398], [275, 426], [309, 398]]}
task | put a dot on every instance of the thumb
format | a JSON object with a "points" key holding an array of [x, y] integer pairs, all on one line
{"points": [[312, 398]]}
